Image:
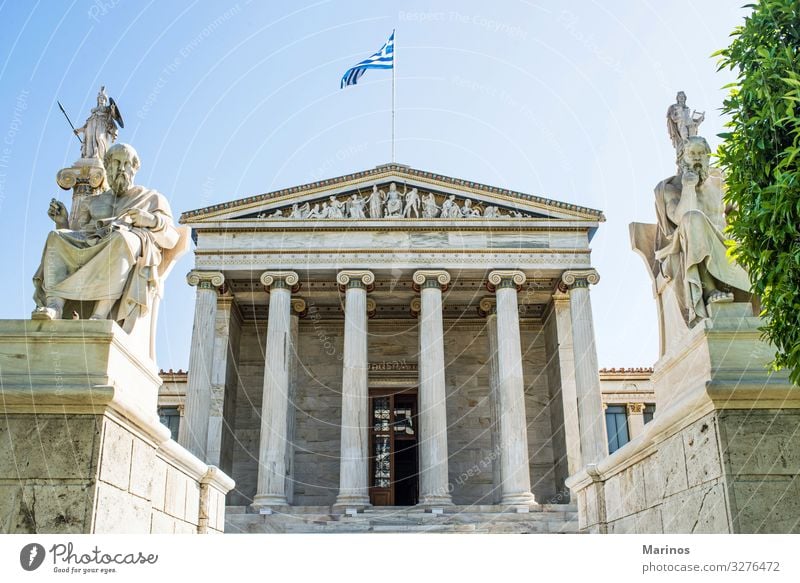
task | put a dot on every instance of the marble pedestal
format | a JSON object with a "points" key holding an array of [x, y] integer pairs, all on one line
{"points": [[722, 454], [82, 447]]}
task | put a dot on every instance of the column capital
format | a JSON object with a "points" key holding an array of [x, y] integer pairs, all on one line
{"points": [[205, 279], [573, 278], [431, 278], [487, 307], [415, 307], [505, 278], [372, 308], [299, 307], [280, 279], [635, 408], [355, 278]]}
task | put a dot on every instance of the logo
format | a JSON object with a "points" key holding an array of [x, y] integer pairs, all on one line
{"points": [[31, 556]]}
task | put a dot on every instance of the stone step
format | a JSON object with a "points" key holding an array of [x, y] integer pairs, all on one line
{"points": [[464, 519]]}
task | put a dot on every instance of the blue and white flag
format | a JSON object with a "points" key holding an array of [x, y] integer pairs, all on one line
{"points": [[383, 59]]}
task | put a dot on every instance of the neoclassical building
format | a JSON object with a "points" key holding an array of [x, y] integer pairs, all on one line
{"points": [[393, 337]]}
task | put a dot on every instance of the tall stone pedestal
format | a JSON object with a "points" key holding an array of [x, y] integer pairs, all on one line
{"points": [[722, 454], [81, 446]]}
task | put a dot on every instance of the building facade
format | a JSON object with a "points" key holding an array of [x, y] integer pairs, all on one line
{"points": [[393, 338]]}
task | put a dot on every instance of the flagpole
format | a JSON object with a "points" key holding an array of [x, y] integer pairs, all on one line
{"points": [[394, 64]]}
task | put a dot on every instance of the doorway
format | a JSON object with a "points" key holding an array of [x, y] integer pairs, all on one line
{"points": [[393, 468]]}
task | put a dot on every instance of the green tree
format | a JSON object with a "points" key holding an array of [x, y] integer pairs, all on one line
{"points": [[760, 155]]}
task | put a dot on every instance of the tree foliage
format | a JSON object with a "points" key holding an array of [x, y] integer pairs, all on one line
{"points": [[760, 156]]}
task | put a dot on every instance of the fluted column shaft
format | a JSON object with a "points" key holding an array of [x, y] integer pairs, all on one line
{"points": [[432, 445], [487, 309], [354, 466], [569, 394], [298, 310], [193, 431], [271, 489], [594, 446], [515, 464]]}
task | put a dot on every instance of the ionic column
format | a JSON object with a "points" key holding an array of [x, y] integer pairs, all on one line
{"points": [[569, 394], [515, 468], [487, 308], [271, 489], [635, 419], [594, 446], [354, 466], [432, 444], [298, 311], [193, 431], [227, 330]]}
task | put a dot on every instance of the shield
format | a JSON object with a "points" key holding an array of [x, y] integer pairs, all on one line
{"points": [[115, 114]]}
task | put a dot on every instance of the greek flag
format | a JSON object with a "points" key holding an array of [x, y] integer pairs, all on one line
{"points": [[383, 59]]}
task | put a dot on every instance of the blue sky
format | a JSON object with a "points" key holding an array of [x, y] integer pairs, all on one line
{"points": [[565, 100]]}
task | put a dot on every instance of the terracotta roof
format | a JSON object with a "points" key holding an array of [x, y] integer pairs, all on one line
{"points": [[402, 169]]}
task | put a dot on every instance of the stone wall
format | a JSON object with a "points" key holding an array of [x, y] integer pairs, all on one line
{"points": [[727, 472], [82, 447], [318, 407]]}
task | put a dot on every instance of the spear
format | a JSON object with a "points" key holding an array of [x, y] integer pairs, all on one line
{"points": [[69, 121]]}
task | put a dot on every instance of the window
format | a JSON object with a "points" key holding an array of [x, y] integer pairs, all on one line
{"points": [[616, 427], [649, 411], [171, 417]]}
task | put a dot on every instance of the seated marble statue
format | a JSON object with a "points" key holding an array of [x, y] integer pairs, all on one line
{"points": [[123, 245], [690, 244]]}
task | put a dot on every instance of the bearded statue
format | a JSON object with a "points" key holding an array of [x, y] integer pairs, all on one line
{"points": [[112, 258], [690, 244]]}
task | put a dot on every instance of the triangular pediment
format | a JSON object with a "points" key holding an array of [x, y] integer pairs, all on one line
{"points": [[391, 191]]}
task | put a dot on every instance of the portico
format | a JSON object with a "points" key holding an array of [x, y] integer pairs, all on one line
{"points": [[425, 365]]}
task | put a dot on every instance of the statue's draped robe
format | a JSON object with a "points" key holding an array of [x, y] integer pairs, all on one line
{"points": [[682, 248], [95, 135], [109, 262]]}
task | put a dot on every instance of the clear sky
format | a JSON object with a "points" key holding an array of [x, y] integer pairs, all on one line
{"points": [[565, 100]]}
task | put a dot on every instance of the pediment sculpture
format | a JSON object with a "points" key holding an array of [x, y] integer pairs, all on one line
{"points": [[391, 204]]}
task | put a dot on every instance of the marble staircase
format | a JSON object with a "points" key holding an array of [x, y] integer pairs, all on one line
{"points": [[545, 518]]}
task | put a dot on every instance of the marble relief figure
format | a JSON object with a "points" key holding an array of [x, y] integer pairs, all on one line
{"points": [[375, 202], [430, 210], [391, 204], [336, 208], [412, 204], [394, 202], [355, 207], [690, 244], [298, 211]]}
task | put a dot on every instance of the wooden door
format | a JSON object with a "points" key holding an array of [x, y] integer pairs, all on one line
{"points": [[393, 419]]}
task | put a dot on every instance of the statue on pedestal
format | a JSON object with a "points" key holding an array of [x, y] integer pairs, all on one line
{"points": [[100, 129], [116, 256], [690, 244], [681, 124]]}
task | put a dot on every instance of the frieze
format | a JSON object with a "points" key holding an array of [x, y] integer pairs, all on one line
{"points": [[392, 204]]}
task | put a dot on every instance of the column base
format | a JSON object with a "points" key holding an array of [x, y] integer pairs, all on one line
{"points": [[518, 499], [434, 500], [351, 501], [269, 501]]}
